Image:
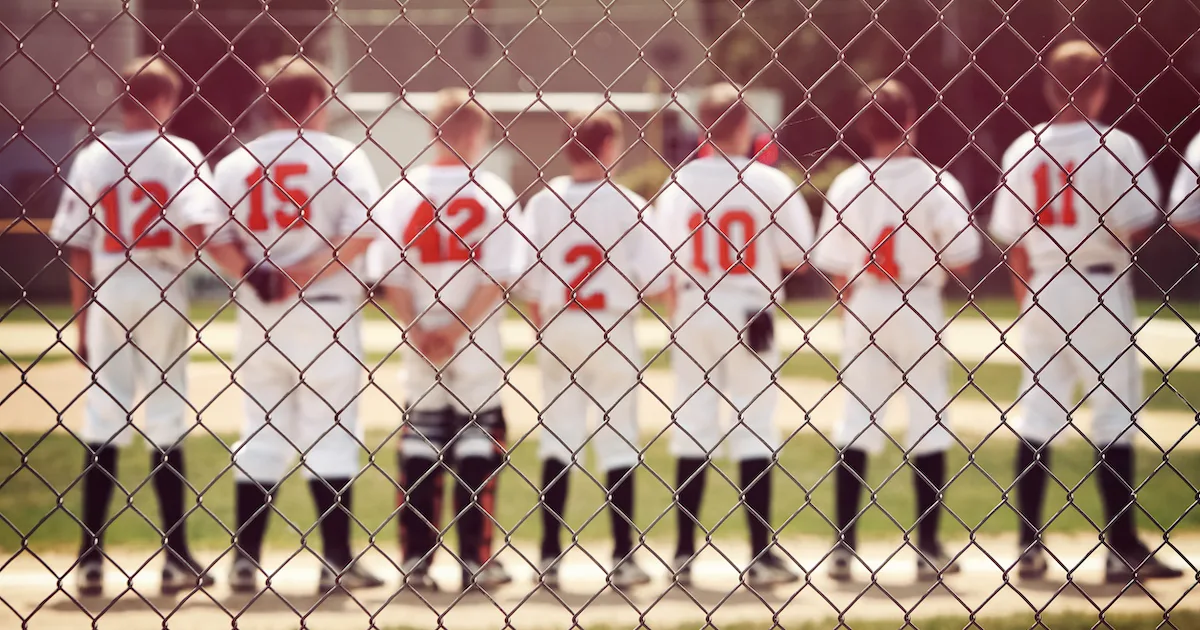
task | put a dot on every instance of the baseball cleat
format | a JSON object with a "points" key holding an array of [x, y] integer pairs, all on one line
{"points": [[416, 576], [89, 578], [548, 573], [934, 563], [841, 564], [1137, 563], [243, 576], [681, 570], [351, 578], [768, 570], [1032, 564], [486, 576], [183, 575], [627, 574]]}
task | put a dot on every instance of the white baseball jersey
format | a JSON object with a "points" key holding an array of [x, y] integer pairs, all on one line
{"points": [[733, 224], [445, 232], [892, 227], [293, 194], [1067, 190], [1185, 192], [589, 249], [897, 221], [129, 196]]}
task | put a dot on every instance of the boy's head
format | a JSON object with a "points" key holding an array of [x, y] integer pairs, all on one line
{"points": [[594, 137], [297, 89], [887, 111], [151, 86], [1075, 74], [461, 123]]}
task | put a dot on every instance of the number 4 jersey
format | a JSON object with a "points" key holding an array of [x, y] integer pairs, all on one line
{"points": [[128, 197], [292, 195], [896, 223], [1069, 192]]}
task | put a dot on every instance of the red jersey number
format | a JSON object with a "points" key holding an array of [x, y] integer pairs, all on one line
{"points": [[1047, 214], [737, 259], [143, 237], [593, 257], [881, 262], [290, 207], [436, 242]]}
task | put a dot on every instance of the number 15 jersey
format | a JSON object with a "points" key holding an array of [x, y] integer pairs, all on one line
{"points": [[292, 195], [1069, 191]]}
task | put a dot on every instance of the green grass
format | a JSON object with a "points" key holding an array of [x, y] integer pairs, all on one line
{"points": [[36, 473]]}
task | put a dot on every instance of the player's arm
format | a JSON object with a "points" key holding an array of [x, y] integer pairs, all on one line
{"points": [[1017, 260], [326, 261], [80, 261]]}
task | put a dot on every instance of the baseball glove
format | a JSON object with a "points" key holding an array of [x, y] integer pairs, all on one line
{"points": [[266, 281]]}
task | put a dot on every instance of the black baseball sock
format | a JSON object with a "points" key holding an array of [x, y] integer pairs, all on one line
{"points": [[755, 478], [420, 506], [555, 483], [99, 475], [1115, 474], [690, 473], [170, 478], [1033, 464], [929, 478], [253, 513], [847, 490], [332, 499], [474, 501], [620, 484]]}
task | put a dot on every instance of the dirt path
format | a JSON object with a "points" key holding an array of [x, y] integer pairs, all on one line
{"points": [[30, 589], [36, 400]]}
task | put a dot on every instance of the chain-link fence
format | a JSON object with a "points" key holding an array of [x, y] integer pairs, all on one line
{"points": [[599, 315]]}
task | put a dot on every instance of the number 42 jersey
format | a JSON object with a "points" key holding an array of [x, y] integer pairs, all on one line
{"points": [[445, 234]]}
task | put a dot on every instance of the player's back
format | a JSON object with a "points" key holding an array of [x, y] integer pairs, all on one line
{"points": [[895, 222], [131, 194], [1071, 190], [293, 195], [733, 224], [451, 225], [593, 247]]}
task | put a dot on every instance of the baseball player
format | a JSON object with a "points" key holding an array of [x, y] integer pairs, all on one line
{"points": [[133, 209], [893, 227], [444, 258], [1185, 193], [591, 257], [736, 228], [299, 200], [1074, 196]]}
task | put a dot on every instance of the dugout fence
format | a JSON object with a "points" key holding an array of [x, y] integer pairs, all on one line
{"points": [[919, 460]]}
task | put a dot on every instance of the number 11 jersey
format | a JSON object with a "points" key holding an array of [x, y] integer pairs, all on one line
{"points": [[1069, 191]]}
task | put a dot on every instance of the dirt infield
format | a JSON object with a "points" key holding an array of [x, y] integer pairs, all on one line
{"points": [[31, 592]]}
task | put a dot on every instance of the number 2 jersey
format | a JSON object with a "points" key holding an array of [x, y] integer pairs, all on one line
{"points": [[445, 232], [733, 225], [897, 222], [589, 249], [292, 195], [1069, 192], [128, 198]]}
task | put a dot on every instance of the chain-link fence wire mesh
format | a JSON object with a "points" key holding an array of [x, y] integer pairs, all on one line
{"points": [[734, 287]]}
